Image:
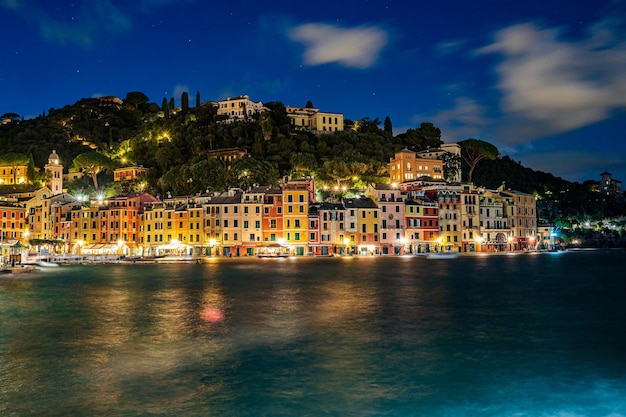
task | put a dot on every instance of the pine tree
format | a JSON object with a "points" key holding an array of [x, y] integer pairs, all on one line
{"points": [[387, 126], [197, 99], [184, 102]]}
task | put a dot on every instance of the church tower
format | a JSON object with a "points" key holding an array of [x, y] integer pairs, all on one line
{"points": [[54, 174]]}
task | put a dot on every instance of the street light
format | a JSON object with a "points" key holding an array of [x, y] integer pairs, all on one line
{"points": [[479, 240]]}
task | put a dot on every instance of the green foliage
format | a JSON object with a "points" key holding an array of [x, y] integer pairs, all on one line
{"points": [[387, 126], [184, 100], [424, 137], [136, 98], [475, 150], [92, 163], [175, 147]]}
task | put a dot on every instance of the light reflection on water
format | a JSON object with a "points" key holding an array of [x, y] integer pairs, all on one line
{"points": [[525, 336]]}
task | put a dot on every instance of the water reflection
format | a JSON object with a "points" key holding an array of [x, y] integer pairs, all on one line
{"points": [[365, 336]]}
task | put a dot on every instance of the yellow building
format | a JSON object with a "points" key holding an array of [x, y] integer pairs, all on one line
{"points": [[252, 220], [363, 216], [310, 119], [522, 213], [13, 174], [239, 108], [151, 228], [296, 198]]}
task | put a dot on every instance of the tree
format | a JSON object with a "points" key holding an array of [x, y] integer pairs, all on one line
{"points": [[136, 98], [197, 99], [303, 162], [14, 160], [451, 165], [309, 104], [387, 126], [424, 137], [92, 164], [184, 102], [475, 150], [12, 116]]}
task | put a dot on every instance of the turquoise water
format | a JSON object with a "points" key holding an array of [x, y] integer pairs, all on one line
{"points": [[526, 335]]}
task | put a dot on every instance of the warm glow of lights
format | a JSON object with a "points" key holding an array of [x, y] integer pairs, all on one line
{"points": [[121, 243], [175, 242], [479, 239], [346, 241], [212, 242]]}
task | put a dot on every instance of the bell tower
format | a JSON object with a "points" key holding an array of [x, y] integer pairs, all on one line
{"points": [[54, 174]]}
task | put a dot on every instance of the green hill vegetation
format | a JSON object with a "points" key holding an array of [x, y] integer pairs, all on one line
{"points": [[177, 145]]}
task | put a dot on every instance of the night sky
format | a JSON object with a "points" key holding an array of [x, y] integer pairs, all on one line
{"points": [[544, 81]]}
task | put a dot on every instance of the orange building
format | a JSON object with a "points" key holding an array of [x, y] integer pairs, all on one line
{"points": [[407, 166], [129, 173]]}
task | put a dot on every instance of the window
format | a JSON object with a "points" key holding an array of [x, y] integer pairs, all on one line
{"points": [[245, 224], [297, 236]]}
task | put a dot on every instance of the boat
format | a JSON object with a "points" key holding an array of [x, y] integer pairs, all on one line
{"points": [[48, 264], [442, 255], [18, 269]]}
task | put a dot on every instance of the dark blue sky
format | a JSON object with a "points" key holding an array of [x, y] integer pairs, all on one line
{"points": [[545, 81]]}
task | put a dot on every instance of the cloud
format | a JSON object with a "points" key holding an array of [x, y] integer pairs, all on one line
{"points": [[179, 90], [550, 85], [357, 47], [467, 118]]}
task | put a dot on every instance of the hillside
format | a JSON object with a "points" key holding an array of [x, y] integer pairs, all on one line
{"points": [[175, 144]]}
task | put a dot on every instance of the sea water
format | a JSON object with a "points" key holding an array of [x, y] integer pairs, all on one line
{"points": [[510, 335]]}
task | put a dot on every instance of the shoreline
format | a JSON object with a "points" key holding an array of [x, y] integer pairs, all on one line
{"points": [[209, 259]]}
